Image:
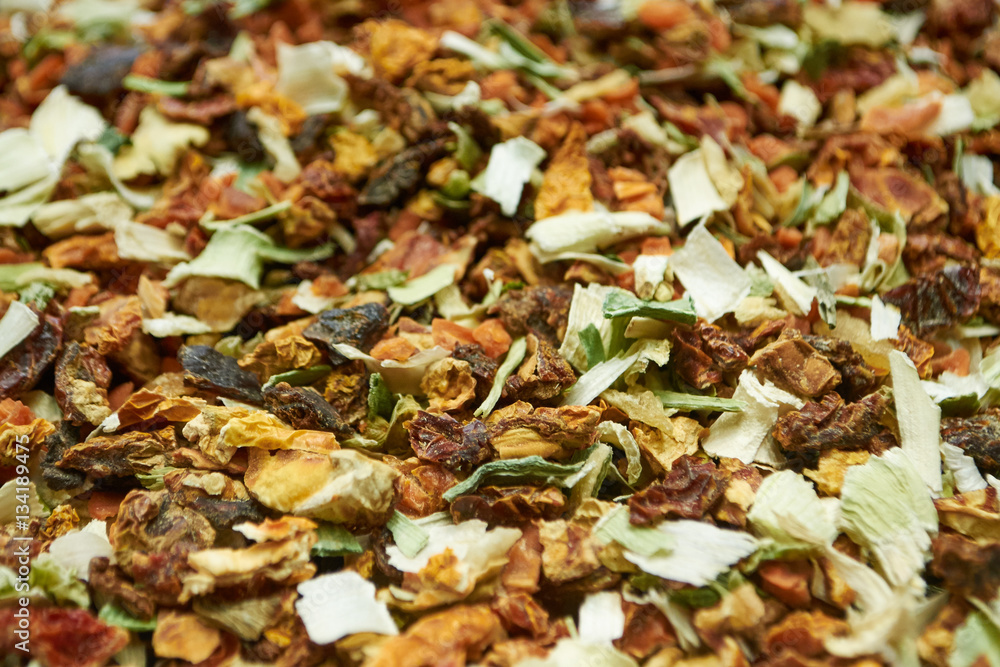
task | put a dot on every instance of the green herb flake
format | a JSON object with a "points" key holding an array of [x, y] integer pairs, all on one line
{"points": [[409, 537], [622, 304], [514, 357], [335, 540], [691, 402], [593, 346], [112, 614], [145, 84]]}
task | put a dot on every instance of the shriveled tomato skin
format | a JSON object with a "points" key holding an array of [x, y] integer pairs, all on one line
{"points": [[63, 637]]}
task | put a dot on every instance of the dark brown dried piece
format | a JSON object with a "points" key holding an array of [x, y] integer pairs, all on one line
{"points": [[765, 12], [939, 300], [361, 326], [518, 430], [543, 375], [443, 439], [120, 455], [832, 424], [56, 445], [795, 365], [483, 368], [989, 285], [241, 135], [110, 582], [210, 370], [101, 72], [509, 505], [688, 491], [23, 366], [857, 377], [401, 175], [978, 437], [303, 407], [539, 310], [967, 567], [82, 379]]}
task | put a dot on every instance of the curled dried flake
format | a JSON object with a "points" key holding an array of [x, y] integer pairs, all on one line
{"points": [[454, 636], [946, 297], [543, 375], [832, 424], [454, 560], [110, 582], [285, 354], [442, 439], [741, 612], [688, 491], [82, 379], [354, 155], [304, 408], [802, 634], [396, 48], [796, 366], [262, 430], [361, 327], [848, 242], [346, 390], [978, 437], [282, 559], [217, 302], [449, 384], [121, 455], [342, 487], [519, 430], [741, 490], [663, 447], [566, 185], [509, 506], [91, 253], [975, 514], [569, 551], [210, 370], [184, 636]]}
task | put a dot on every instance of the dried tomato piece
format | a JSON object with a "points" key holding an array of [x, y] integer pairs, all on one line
{"points": [[120, 455], [691, 362], [978, 436], [543, 375], [647, 630], [361, 326], [509, 505], [832, 424], [796, 366], [539, 310], [968, 567], [101, 72], [443, 439], [941, 299], [688, 491], [421, 486], [208, 369], [111, 582], [482, 367], [857, 378], [64, 637]]}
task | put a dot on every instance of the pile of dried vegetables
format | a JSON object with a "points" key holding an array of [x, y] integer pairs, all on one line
{"points": [[464, 332]]}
